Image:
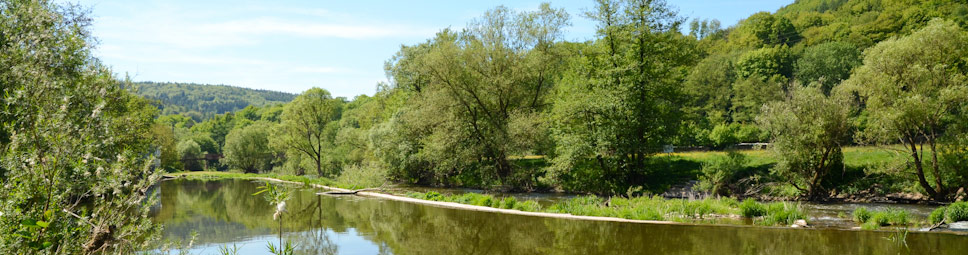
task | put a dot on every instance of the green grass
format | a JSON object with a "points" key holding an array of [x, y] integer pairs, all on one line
{"points": [[750, 209], [641, 208], [208, 175], [873, 219], [479, 200]]}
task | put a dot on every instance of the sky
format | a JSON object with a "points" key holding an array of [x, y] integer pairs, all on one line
{"points": [[292, 46]]}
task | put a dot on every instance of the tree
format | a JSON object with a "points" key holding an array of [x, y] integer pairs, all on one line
{"points": [[765, 29], [75, 147], [807, 131], [479, 92], [827, 63], [914, 87], [190, 154], [304, 126], [618, 102], [165, 142], [247, 148]]}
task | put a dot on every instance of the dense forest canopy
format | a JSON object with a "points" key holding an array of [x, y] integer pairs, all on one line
{"points": [[201, 101]]}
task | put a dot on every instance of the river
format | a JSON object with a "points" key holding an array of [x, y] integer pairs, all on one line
{"points": [[225, 212]]}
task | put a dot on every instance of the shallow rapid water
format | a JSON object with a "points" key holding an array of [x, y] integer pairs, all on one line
{"points": [[224, 212]]}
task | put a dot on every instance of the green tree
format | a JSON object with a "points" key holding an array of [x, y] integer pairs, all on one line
{"points": [[827, 63], [307, 125], [76, 147], [618, 102], [807, 132], [248, 149], [483, 90], [766, 29], [165, 142], [190, 154], [913, 88]]}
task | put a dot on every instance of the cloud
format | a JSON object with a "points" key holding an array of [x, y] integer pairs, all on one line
{"points": [[274, 26]]}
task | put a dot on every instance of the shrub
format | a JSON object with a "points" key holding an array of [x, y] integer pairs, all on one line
{"points": [[527, 206], [957, 211], [861, 214], [937, 216], [362, 176], [750, 208], [508, 202], [717, 175], [782, 214], [874, 219]]}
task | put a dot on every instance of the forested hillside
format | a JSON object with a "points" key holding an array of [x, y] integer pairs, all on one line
{"points": [[201, 101]]}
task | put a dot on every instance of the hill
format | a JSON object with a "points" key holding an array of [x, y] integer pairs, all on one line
{"points": [[202, 101]]}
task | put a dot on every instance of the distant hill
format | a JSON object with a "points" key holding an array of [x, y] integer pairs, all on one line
{"points": [[202, 101]]}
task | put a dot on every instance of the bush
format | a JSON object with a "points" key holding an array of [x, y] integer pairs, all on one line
{"points": [[861, 214], [782, 214], [508, 203], [750, 208], [527, 206], [874, 219], [717, 175], [937, 216], [956, 212], [362, 176]]}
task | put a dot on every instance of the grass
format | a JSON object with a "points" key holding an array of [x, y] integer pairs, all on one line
{"points": [[874, 219], [192, 175], [750, 209], [479, 200], [641, 208]]}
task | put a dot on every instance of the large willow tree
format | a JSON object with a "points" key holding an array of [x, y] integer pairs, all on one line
{"points": [[479, 93], [916, 91], [75, 152], [618, 103]]}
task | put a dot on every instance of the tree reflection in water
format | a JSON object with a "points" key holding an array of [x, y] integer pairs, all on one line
{"points": [[223, 212]]}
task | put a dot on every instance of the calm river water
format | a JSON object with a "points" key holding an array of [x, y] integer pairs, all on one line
{"points": [[225, 213]]}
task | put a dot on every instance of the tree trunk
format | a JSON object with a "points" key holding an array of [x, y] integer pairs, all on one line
{"points": [[920, 169]]}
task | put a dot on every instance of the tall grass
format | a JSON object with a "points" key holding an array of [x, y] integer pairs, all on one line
{"points": [[877, 218]]}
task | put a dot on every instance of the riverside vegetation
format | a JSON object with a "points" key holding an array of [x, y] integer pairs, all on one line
{"points": [[507, 103]]}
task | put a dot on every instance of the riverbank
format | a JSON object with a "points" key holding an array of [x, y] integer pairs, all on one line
{"points": [[651, 210]]}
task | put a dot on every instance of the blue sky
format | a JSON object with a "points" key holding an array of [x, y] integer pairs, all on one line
{"points": [[292, 46]]}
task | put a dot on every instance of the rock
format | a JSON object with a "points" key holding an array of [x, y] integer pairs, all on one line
{"points": [[799, 224], [959, 226]]}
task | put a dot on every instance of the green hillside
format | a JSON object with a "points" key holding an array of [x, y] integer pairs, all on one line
{"points": [[201, 101]]}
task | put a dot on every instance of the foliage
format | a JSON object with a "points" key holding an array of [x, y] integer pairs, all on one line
{"points": [[75, 148], [877, 218], [362, 176], [248, 148], [937, 215], [190, 154], [807, 132], [912, 86], [827, 63], [957, 211], [751, 209], [718, 175], [477, 95], [782, 213], [308, 127], [166, 145], [617, 101]]}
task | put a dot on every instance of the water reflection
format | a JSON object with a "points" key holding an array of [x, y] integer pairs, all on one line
{"points": [[224, 212]]}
